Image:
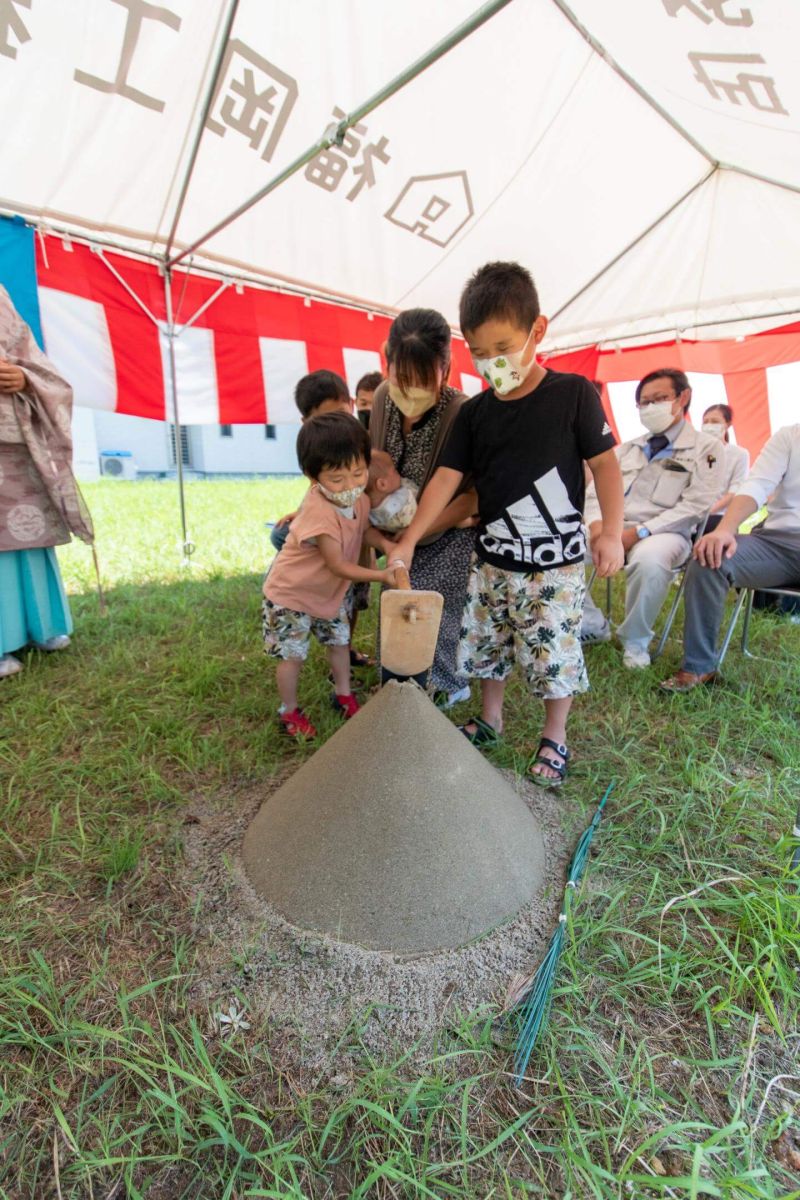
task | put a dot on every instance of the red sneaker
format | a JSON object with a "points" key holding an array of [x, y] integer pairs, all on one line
{"points": [[296, 724], [348, 706]]}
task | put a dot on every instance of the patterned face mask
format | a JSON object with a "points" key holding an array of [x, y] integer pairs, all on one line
{"points": [[506, 372], [344, 499]]}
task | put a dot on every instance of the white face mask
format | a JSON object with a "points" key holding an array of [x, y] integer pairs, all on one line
{"points": [[414, 401], [715, 429], [657, 417], [344, 499], [506, 373]]}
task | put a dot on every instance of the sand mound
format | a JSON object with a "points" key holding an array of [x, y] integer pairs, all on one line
{"points": [[397, 835]]}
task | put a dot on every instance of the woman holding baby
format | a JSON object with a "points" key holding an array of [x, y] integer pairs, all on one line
{"points": [[412, 414]]}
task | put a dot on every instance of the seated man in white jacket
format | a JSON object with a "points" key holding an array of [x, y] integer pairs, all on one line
{"points": [[767, 557], [672, 475]]}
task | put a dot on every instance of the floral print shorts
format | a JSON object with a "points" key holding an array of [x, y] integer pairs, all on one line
{"points": [[287, 633], [532, 618]]}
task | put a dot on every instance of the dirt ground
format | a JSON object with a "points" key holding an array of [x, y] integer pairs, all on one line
{"points": [[314, 988]]}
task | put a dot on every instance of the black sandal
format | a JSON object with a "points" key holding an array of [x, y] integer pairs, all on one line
{"points": [[359, 660], [543, 760], [484, 735]]}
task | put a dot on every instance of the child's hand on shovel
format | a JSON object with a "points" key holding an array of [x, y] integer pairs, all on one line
{"points": [[402, 553]]}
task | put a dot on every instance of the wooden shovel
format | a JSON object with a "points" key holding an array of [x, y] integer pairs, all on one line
{"points": [[409, 629]]}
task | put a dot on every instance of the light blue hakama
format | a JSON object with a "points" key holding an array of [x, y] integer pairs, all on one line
{"points": [[33, 603]]}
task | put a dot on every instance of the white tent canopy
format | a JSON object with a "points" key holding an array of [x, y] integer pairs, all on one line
{"points": [[641, 156]]}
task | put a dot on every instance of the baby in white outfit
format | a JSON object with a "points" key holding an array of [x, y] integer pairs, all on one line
{"points": [[393, 500]]}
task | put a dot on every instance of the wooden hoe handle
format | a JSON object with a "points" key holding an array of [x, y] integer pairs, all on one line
{"points": [[402, 579], [402, 582]]}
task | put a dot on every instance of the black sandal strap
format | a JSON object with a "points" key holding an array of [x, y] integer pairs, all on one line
{"points": [[559, 768], [560, 750], [484, 735]]}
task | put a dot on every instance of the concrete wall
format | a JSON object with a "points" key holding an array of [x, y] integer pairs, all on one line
{"points": [[85, 461], [246, 451], [146, 440]]}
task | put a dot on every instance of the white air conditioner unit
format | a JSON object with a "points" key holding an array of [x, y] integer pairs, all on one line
{"points": [[117, 464]]}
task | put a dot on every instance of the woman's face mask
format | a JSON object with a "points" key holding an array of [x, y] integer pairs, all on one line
{"points": [[506, 372], [715, 428], [414, 401], [657, 417], [344, 499]]}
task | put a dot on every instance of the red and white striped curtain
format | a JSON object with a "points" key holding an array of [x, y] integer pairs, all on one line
{"points": [[239, 360]]}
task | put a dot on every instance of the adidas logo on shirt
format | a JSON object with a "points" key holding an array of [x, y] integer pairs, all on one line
{"points": [[606, 428]]}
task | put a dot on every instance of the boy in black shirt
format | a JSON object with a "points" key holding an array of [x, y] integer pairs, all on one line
{"points": [[525, 440]]}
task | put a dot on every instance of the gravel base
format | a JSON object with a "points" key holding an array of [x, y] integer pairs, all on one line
{"points": [[313, 988]]}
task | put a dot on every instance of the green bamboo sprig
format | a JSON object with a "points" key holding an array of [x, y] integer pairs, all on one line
{"points": [[532, 995]]}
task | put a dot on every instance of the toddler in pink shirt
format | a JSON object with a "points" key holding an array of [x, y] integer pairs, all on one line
{"points": [[305, 589]]}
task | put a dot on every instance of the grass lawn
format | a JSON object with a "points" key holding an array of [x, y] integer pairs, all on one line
{"points": [[676, 1002]]}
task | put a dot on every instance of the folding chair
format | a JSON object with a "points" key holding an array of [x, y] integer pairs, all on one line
{"points": [[662, 641], [678, 571], [590, 584], [745, 600], [673, 611]]}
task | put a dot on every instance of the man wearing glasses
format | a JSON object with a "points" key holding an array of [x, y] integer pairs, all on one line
{"points": [[672, 475]]}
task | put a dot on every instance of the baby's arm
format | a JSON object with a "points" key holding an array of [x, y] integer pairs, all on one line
{"points": [[337, 564]]}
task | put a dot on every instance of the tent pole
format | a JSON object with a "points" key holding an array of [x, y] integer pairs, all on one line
{"points": [[334, 135], [639, 237], [188, 547], [212, 87], [600, 49], [124, 283], [608, 342]]}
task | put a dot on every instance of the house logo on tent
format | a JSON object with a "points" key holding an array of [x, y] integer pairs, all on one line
{"points": [[435, 207]]}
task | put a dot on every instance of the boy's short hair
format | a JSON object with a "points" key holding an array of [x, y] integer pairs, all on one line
{"points": [[314, 389], [369, 382], [499, 291], [679, 379], [331, 440]]}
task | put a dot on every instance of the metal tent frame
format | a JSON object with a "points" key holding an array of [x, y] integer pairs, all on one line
{"points": [[334, 135]]}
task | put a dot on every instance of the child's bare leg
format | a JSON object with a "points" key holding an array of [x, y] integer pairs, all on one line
{"points": [[492, 693], [287, 674], [339, 658], [555, 727]]}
